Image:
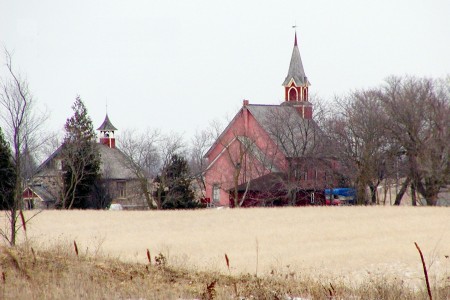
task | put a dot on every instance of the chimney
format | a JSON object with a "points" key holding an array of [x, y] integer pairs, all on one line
{"points": [[245, 102]]}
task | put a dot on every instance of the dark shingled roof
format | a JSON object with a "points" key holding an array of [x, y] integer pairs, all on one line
{"points": [[113, 164], [296, 71], [42, 193], [107, 125], [270, 182]]}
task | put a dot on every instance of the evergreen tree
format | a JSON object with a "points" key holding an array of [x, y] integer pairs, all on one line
{"points": [[7, 175], [81, 159], [175, 185]]}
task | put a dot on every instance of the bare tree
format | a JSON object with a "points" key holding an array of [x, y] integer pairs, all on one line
{"points": [[239, 156], [398, 130], [358, 135], [418, 118], [168, 146], [76, 172], [309, 164], [200, 144], [22, 125], [143, 158], [248, 155]]}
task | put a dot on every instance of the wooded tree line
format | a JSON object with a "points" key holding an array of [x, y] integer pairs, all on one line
{"points": [[400, 129]]}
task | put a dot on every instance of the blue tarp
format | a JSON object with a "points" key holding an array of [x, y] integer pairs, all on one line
{"points": [[347, 192]]}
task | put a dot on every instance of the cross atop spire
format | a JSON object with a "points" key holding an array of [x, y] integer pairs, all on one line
{"points": [[295, 30]]}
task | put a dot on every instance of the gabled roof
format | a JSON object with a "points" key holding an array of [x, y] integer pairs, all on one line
{"points": [[253, 150], [49, 159], [267, 115], [107, 125], [42, 193], [114, 163], [296, 71], [216, 142]]}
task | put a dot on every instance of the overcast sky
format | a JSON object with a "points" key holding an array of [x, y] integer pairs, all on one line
{"points": [[177, 65]]}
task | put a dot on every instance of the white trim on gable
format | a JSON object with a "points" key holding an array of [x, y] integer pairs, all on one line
{"points": [[291, 81], [220, 154], [254, 150], [223, 133]]}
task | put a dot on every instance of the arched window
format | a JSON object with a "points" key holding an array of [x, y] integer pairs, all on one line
{"points": [[293, 96]]}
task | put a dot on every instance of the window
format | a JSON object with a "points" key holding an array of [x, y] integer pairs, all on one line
{"points": [[29, 203], [121, 189], [58, 164], [293, 94], [216, 193]]}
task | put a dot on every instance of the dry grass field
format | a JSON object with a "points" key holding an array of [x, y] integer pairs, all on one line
{"points": [[349, 245], [341, 241]]}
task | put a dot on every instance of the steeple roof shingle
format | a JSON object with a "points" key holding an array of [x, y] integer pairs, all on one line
{"points": [[296, 70]]}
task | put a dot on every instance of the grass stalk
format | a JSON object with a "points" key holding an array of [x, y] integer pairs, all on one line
{"points": [[425, 272], [257, 257], [75, 247], [227, 260], [22, 218], [149, 257]]}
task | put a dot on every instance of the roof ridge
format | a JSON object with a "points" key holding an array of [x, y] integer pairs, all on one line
{"points": [[256, 104]]}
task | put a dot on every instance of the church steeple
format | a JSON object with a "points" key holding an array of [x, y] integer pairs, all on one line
{"points": [[296, 84], [107, 133]]}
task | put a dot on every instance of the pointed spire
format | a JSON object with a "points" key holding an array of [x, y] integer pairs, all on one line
{"points": [[296, 70]]}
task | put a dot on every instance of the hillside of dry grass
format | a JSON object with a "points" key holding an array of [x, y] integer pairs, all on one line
{"points": [[349, 247], [59, 273]]}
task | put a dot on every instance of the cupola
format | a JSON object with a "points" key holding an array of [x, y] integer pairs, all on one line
{"points": [[107, 130]]}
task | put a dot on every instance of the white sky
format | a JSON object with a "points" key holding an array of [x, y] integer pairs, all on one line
{"points": [[177, 65]]}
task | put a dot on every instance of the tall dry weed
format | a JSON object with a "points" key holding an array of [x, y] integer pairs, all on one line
{"points": [[75, 246], [425, 272], [149, 257], [22, 218]]}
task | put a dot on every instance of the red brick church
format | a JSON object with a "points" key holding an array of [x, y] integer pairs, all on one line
{"points": [[272, 155]]}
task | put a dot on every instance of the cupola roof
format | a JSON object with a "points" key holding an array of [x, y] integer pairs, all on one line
{"points": [[107, 125]]}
